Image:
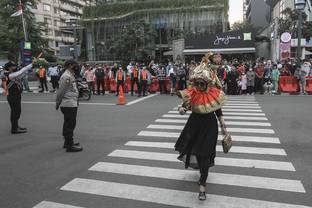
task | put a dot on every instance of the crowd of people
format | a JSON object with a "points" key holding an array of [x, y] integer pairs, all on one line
{"points": [[237, 77]]}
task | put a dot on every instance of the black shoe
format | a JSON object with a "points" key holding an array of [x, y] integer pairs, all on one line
{"points": [[67, 145], [18, 131], [74, 148], [202, 196], [22, 128]]}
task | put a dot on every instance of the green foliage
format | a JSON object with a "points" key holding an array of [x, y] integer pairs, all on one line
{"points": [[289, 24], [40, 62], [134, 42], [244, 26], [122, 8], [11, 29]]}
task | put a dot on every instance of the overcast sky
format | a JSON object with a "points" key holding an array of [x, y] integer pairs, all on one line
{"points": [[236, 11]]}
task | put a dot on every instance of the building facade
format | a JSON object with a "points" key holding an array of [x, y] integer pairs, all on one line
{"points": [[56, 14], [277, 8], [167, 17], [257, 12]]}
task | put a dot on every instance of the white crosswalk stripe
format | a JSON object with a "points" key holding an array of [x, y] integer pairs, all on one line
{"points": [[222, 161], [165, 196], [226, 117], [243, 130], [243, 111], [234, 149], [229, 113], [229, 123], [48, 204], [190, 175], [272, 140]]}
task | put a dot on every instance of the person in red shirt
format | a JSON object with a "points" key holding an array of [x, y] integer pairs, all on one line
{"points": [[259, 78]]}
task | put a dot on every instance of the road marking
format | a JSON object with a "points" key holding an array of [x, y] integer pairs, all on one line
{"points": [[234, 107], [270, 140], [229, 112], [190, 175], [226, 117], [234, 149], [236, 123], [165, 196], [141, 99], [48, 204], [220, 161], [244, 130], [242, 114]]}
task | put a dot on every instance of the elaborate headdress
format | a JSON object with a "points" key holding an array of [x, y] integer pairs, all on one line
{"points": [[206, 71]]}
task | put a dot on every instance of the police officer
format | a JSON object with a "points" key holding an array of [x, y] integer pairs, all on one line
{"points": [[67, 99], [14, 84]]}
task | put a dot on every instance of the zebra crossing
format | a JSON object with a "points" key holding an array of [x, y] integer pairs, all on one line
{"points": [[256, 150]]}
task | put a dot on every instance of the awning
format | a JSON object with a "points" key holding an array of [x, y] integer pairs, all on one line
{"points": [[219, 50]]}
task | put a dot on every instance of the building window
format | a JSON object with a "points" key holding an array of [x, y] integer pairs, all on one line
{"points": [[281, 9], [47, 21], [56, 44], [56, 10], [46, 7]]}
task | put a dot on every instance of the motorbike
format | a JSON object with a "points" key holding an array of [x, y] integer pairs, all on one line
{"points": [[84, 90]]}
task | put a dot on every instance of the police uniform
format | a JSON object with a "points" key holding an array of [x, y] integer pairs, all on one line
{"points": [[67, 100], [14, 95]]}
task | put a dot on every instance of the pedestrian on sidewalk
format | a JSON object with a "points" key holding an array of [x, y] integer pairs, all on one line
{"points": [[100, 79], [197, 142], [251, 75], [144, 78], [43, 78], [89, 76], [67, 99], [120, 79], [13, 79], [275, 78], [54, 72]]}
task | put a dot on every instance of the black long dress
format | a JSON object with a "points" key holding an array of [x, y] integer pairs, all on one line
{"points": [[199, 139]]}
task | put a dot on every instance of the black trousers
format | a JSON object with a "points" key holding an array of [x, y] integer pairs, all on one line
{"points": [[15, 105], [70, 115], [99, 83], [43, 82], [182, 84], [135, 81], [119, 83], [54, 81], [203, 164], [259, 85], [162, 86], [250, 89], [143, 87]]}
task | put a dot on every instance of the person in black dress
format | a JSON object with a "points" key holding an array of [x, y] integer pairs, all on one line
{"points": [[197, 142]]}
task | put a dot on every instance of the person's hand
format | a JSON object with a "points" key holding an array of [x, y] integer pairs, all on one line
{"points": [[182, 110], [57, 106], [223, 130]]}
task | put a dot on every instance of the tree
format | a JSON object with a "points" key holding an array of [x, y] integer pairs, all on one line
{"points": [[135, 42], [245, 26], [11, 29], [288, 23]]}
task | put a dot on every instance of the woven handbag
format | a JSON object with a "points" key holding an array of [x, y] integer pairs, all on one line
{"points": [[227, 143]]}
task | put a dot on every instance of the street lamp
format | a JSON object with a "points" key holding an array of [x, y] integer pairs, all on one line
{"points": [[299, 5]]}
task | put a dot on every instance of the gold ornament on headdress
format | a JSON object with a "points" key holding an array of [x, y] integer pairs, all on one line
{"points": [[206, 71]]}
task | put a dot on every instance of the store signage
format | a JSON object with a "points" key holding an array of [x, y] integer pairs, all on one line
{"points": [[235, 39]]}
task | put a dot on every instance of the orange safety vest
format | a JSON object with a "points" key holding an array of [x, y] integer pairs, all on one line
{"points": [[144, 75], [135, 73], [41, 72], [119, 75]]}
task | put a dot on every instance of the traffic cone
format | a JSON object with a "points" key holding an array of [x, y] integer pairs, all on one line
{"points": [[121, 98]]}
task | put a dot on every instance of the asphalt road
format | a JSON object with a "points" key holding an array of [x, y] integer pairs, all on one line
{"points": [[35, 169]]}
